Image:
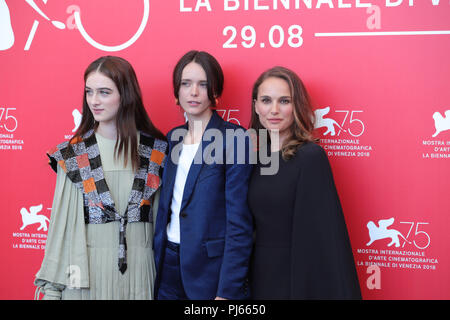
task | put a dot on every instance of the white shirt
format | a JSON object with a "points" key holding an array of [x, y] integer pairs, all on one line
{"points": [[184, 164]]}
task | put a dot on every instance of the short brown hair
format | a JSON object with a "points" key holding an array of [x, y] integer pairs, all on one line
{"points": [[214, 73]]}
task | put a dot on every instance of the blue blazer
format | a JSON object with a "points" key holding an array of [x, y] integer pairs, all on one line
{"points": [[216, 225]]}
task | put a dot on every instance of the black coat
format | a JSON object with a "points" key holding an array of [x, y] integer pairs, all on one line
{"points": [[302, 249]]}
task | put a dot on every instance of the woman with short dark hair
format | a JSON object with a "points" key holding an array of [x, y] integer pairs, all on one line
{"points": [[203, 231]]}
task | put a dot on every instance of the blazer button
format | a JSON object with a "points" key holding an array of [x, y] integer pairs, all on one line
{"points": [[183, 214]]}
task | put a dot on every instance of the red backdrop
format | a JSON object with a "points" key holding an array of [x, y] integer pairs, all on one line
{"points": [[383, 72]]}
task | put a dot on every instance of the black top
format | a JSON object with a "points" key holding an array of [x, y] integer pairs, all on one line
{"points": [[302, 249]]}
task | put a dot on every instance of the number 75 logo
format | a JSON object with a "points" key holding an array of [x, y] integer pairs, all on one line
{"points": [[417, 233], [354, 126], [8, 119]]}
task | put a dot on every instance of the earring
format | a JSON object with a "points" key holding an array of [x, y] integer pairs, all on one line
{"points": [[176, 101], [217, 101]]}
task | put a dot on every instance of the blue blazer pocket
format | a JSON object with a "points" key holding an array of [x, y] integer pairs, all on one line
{"points": [[215, 248]]}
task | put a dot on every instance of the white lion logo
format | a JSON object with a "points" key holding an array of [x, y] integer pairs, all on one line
{"points": [[381, 232], [76, 119], [6, 31], [326, 122], [32, 217], [441, 123]]}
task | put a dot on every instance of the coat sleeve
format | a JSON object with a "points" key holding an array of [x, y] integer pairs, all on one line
{"points": [[239, 225], [322, 261], [66, 247]]}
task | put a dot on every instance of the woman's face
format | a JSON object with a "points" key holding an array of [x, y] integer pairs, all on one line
{"points": [[193, 92], [103, 97], [274, 105]]}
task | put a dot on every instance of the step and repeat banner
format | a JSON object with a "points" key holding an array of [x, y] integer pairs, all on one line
{"points": [[378, 73]]}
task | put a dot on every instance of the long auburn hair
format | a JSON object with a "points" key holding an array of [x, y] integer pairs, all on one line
{"points": [[131, 116], [303, 125]]}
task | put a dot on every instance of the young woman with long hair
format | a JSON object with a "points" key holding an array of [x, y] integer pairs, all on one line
{"points": [[99, 243]]}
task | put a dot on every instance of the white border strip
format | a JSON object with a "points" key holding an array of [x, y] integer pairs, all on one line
{"points": [[387, 33], [31, 35]]}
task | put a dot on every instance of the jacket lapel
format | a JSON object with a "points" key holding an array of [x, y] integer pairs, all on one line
{"points": [[170, 171], [100, 196], [198, 161]]}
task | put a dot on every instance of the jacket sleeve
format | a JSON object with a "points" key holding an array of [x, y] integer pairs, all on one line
{"points": [[51, 291], [239, 226], [322, 261], [66, 241]]}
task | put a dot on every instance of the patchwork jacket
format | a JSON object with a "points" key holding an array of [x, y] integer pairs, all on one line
{"points": [[80, 160]]}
